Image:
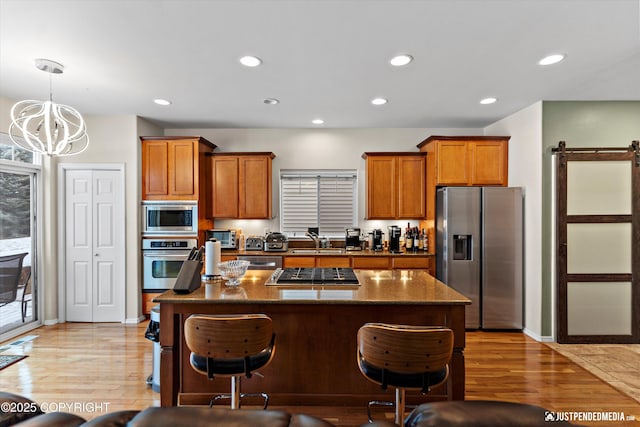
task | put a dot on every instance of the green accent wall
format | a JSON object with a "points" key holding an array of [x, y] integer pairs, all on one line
{"points": [[580, 124]]}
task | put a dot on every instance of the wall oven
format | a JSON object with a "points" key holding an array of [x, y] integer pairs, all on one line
{"points": [[168, 217], [162, 260]]}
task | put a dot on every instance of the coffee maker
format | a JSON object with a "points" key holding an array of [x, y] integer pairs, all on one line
{"points": [[352, 239], [394, 239], [377, 240]]}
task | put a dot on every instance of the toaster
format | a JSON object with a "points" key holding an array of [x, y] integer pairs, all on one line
{"points": [[254, 243], [276, 242]]}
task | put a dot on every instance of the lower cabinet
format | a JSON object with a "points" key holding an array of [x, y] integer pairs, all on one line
{"points": [[400, 262], [147, 302], [372, 262], [368, 262], [298, 261], [333, 261]]}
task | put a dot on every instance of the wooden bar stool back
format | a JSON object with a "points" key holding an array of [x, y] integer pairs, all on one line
{"points": [[405, 357], [230, 346]]}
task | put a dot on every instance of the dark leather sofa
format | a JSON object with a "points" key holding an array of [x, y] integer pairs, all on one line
{"points": [[19, 411], [482, 413], [26, 413]]}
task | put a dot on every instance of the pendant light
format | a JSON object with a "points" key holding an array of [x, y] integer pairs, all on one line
{"points": [[46, 127]]}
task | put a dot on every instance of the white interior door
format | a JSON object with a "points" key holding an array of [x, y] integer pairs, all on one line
{"points": [[94, 246]]}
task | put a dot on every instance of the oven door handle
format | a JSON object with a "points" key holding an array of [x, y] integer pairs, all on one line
{"points": [[165, 255]]}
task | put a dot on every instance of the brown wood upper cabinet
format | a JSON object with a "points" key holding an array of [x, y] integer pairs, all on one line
{"points": [[470, 160], [462, 161], [240, 185], [172, 166], [395, 185]]}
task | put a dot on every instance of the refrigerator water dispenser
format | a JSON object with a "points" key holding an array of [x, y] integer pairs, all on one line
{"points": [[462, 244]]}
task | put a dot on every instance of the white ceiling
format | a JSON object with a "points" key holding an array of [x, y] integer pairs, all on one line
{"points": [[322, 58]]}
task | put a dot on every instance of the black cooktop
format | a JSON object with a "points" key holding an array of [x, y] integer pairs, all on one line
{"points": [[318, 276]]}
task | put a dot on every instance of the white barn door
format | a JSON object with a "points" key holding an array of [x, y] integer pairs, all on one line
{"points": [[94, 245]]}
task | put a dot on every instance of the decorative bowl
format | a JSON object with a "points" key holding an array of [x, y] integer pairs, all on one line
{"points": [[232, 271]]}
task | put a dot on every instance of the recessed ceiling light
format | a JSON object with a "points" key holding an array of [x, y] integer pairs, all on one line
{"points": [[401, 60], [271, 101], [552, 59], [317, 121], [489, 100], [379, 101], [163, 102], [250, 61]]}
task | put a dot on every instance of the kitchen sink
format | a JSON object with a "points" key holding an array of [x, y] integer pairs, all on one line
{"points": [[318, 251]]}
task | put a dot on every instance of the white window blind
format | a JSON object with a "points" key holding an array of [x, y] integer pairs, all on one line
{"points": [[324, 199]]}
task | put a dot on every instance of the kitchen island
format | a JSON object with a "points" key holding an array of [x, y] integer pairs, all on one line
{"points": [[315, 327]]}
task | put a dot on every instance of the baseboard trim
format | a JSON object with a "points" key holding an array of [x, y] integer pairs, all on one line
{"points": [[134, 321], [538, 337], [50, 322]]}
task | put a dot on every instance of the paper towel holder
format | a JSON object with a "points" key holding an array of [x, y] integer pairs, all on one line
{"points": [[209, 253]]}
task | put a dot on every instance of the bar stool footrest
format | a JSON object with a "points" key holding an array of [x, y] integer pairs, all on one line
{"points": [[384, 403], [264, 396]]}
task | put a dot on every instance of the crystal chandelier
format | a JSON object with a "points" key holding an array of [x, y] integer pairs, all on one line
{"points": [[46, 127]]}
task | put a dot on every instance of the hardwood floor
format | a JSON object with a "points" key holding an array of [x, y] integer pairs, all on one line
{"points": [[11, 314], [89, 369]]}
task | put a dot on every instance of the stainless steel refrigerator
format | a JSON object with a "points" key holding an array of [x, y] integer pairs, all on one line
{"points": [[479, 252]]}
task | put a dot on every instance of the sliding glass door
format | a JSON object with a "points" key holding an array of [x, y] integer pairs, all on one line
{"points": [[18, 272]]}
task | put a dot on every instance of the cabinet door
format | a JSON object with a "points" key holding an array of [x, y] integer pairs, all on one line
{"points": [[452, 163], [298, 261], [488, 163], [381, 187], [333, 261], [224, 174], [372, 262], [408, 262], [182, 169], [155, 167], [411, 186], [255, 187], [147, 302]]}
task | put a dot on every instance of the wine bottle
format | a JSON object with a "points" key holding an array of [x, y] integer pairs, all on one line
{"points": [[425, 244]]}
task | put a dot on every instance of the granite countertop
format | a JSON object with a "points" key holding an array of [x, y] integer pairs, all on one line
{"points": [[376, 287], [325, 252]]}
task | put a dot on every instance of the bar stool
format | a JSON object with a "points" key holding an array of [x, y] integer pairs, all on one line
{"points": [[230, 346], [405, 357]]}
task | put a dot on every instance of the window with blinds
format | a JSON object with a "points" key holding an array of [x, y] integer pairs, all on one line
{"points": [[318, 198]]}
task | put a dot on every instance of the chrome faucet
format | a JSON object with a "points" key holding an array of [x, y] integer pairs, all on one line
{"points": [[314, 237]]}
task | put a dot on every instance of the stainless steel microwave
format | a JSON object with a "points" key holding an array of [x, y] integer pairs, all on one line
{"points": [[167, 217], [227, 238]]}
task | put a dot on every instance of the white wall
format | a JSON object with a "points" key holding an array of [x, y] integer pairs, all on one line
{"points": [[316, 149], [525, 170], [113, 139], [116, 139], [5, 111]]}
